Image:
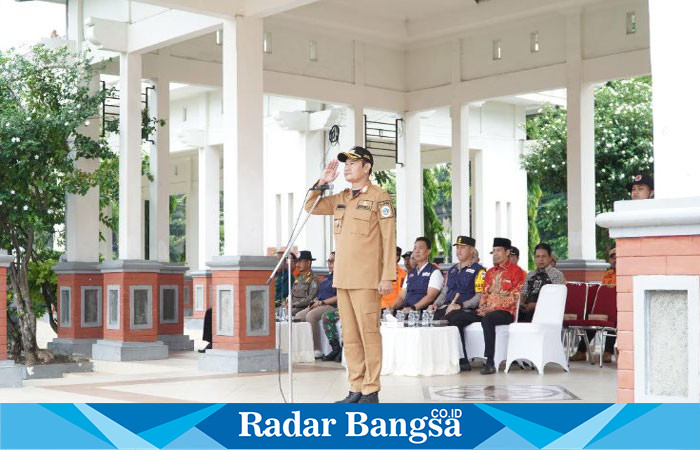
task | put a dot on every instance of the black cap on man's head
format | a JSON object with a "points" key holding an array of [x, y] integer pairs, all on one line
{"points": [[641, 179], [305, 254], [502, 242], [356, 153], [465, 240]]}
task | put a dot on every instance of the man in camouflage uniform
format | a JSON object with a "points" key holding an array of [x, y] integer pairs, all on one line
{"points": [[305, 287], [329, 320]]}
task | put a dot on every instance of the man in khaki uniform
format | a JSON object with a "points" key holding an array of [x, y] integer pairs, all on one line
{"points": [[364, 226], [306, 284]]}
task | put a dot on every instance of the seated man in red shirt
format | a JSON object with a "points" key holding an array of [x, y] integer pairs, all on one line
{"points": [[500, 299]]}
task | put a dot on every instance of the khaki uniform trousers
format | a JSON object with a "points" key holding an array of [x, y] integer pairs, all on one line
{"points": [[359, 316]]}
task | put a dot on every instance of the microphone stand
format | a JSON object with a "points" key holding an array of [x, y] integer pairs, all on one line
{"points": [[286, 256]]}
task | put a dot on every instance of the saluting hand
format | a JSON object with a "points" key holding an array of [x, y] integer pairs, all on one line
{"points": [[330, 173]]}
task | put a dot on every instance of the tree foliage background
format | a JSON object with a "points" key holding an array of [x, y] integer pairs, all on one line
{"points": [[623, 149], [437, 205]]}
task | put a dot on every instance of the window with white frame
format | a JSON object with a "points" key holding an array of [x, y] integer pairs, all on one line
{"points": [[113, 307], [141, 306], [186, 295], [224, 310], [91, 306], [65, 306], [168, 304], [199, 298]]}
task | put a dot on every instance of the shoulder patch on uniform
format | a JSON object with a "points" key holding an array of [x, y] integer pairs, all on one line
{"points": [[386, 211]]}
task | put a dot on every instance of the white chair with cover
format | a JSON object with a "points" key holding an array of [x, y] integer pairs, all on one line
{"points": [[540, 341], [474, 343]]}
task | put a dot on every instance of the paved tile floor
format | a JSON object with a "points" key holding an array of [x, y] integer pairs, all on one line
{"points": [[177, 379]]}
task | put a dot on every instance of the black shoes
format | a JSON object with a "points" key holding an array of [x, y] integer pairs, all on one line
{"points": [[353, 397], [464, 365], [335, 353], [488, 369], [370, 398]]}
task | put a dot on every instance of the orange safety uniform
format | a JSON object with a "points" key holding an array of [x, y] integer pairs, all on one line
{"points": [[389, 299], [610, 277]]}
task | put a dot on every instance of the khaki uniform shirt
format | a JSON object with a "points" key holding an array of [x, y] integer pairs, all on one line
{"points": [[364, 227], [304, 290]]}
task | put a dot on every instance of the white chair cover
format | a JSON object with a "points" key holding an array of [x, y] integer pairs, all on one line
{"points": [[540, 341], [474, 342]]}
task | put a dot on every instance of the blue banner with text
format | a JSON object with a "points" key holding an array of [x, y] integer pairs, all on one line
{"points": [[278, 426]]}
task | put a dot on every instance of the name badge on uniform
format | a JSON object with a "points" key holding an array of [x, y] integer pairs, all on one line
{"points": [[470, 270], [365, 204], [425, 274]]}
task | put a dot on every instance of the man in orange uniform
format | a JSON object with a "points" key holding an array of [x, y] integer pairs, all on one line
{"points": [[389, 299], [500, 299], [610, 277]]}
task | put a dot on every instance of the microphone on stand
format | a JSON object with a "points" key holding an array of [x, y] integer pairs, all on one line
{"points": [[323, 187]]}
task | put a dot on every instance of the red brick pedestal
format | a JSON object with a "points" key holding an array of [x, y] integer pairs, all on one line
{"points": [[187, 296], [658, 298], [201, 293], [171, 281], [243, 316], [80, 311], [11, 375], [131, 292]]}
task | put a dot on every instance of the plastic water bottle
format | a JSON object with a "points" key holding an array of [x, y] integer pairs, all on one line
{"points": [[427, 318], [400, 316], [412, 318]]}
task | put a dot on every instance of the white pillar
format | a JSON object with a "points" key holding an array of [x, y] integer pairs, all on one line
{"points": [[208, 205], [243, 136], [460, 172], [358, 112], [409, 184], [580, 152], [130, 205], [82, 223], [159, 205], [674, 72]]}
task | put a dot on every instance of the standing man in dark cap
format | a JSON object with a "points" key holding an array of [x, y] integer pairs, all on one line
{"points": [[364, 226], [641, 187], [500, 299], [305, 286], [462, 291]]}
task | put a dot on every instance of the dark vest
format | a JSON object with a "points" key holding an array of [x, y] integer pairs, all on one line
{"points": [[462, 282], [534, 284], [417, 284]]}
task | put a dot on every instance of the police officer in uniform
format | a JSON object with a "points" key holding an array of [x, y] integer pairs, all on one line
{"points": [[462, 291], [364, 226], [305, 287]]}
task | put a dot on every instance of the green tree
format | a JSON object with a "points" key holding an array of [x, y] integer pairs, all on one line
{"points": [[437, 188], [623, 148], [45, 103]]}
